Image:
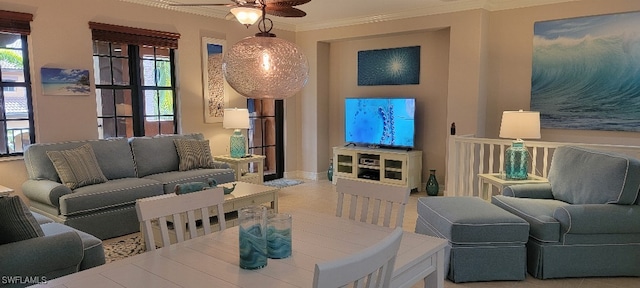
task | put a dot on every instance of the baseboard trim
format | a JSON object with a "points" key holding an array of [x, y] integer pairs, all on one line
{"points": [[306, 175]]}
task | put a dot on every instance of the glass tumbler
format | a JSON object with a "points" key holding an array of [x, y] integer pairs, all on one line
{"points": [[253, 237], [279, 236]]}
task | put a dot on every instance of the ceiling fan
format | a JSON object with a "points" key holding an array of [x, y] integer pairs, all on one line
{"points": [[281, 8]]}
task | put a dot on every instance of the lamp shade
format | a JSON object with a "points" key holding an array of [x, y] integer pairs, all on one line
{"points": [[520, 125], [246, 15], [265, 68], [235, 118]]}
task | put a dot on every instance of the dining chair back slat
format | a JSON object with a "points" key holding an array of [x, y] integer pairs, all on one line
{"points": [[371, 267], [156, 209], [382, 197]]}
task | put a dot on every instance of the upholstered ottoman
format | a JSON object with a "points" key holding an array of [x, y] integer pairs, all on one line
{"points": [[486, 243]]}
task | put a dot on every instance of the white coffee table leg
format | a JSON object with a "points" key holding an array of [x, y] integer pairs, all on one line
{"points": [[436, 279]]}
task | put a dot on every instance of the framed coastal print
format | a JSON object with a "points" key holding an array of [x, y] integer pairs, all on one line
{"points": [[394, 66], [215, 99], [72, 82]]}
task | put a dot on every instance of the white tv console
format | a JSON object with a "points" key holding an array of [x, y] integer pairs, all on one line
{"points": [[384, 166]]}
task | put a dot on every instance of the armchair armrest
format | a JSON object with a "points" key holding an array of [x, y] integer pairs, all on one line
{"points": [[598, 219], [221, 165], [537, 191], [45, 191], [41, 256]]}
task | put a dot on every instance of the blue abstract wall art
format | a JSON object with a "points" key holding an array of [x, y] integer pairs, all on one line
{"points": [[395, 66], [586, 72]]}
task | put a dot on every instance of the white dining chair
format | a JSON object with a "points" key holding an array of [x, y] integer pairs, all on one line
{"points": [[371, 267], [156, 211], [372, 194]]}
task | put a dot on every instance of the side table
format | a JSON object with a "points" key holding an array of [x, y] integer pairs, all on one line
{"points": [[240, 165], [5, 191], [498, 180]]}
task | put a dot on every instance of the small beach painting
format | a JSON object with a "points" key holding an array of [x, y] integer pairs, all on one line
{"points": [[56, 81], [585, 72]]}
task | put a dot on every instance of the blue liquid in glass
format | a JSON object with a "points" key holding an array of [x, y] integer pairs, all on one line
{"points": [[278, 243], [253, 248]]}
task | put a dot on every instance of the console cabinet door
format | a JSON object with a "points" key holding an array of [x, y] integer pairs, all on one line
{"points": [[394, 169], [344, 164]]}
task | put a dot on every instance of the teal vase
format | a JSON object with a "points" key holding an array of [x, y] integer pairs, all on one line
{"points": [[330, 171], [432, 184]]}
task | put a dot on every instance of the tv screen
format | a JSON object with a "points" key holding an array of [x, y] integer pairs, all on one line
{"points": [[380, 121]]}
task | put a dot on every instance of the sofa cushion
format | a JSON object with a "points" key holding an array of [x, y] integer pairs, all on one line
{"points": [[113, 155], [114, 193], [77, 167], [16, 221], [538, 212], [194, 154], [41, 219], [157, 154], [170, 179], [583, 176]]}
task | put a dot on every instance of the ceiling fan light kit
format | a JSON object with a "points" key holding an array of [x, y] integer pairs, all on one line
{"points": [[246, 15]]}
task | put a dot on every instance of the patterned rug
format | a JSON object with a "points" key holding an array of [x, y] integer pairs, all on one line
{"points": [[124, 248], [280, 183]]}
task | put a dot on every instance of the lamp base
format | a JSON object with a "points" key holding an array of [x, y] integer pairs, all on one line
{"points": [[237, 144], [516, 161]]}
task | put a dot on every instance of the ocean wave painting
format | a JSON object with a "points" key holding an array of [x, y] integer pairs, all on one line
{"points": [[586, 73], [57, 81]]}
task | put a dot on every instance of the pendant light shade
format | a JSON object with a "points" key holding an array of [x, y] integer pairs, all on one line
{"points": [[265, 67]]}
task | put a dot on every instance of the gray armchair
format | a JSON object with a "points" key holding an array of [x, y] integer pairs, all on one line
{"points": [[35, 249], [586, 220]]}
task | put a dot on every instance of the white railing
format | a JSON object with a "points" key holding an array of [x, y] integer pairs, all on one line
{"points": [[469, 156]]}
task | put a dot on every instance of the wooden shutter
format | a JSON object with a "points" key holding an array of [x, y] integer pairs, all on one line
{"points": [[135, 36], [15, 22]]}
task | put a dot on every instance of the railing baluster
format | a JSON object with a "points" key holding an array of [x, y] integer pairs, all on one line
{"points": [[461, 168]]}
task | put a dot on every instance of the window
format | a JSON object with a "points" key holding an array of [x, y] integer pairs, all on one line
{"points": [[135, 82], [16, 113]]}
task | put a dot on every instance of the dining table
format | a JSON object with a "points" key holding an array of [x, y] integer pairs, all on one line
{"points": [[213, 260]]}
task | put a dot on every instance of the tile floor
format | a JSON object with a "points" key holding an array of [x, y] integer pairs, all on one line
{"points": [[320, 196]]}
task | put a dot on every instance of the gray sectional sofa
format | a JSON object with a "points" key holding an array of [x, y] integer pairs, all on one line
{"points": [[134, 168]]}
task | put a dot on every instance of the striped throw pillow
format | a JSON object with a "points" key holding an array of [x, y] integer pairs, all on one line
{"points": [[17, 221], [77, 167], [194, 154]]}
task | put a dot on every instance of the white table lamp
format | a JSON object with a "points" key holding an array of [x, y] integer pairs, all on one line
{"points": [[236, 119], [518, 125]]}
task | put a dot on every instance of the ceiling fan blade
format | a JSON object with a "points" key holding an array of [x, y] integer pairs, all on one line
{"points": [[286, 3], [285, 11]]}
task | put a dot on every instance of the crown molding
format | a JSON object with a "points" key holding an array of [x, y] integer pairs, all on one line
{"points": [[447, 6]]}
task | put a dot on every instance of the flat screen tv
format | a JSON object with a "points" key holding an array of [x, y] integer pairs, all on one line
{"points": [[385, 122]]}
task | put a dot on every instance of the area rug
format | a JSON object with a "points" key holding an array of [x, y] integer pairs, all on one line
{"points": [[124, 248], [281, 183]]}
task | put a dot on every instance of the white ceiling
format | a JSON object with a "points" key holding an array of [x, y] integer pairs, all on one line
{"points": [[335, 13]]}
